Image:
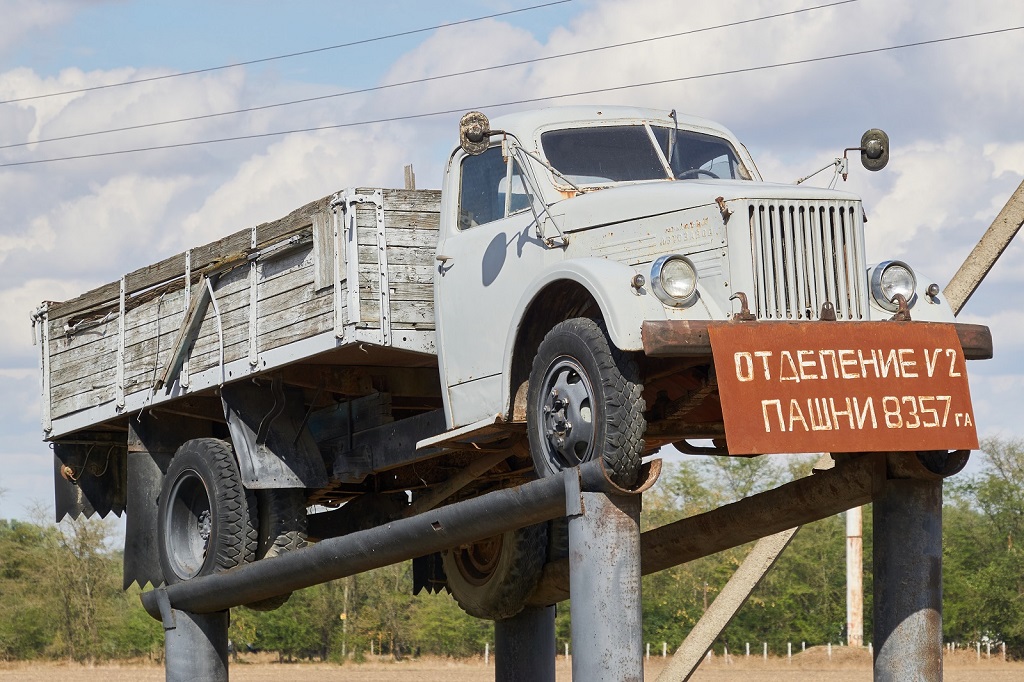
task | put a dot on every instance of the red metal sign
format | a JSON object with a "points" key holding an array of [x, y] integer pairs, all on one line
{"points": [[842, 387]]}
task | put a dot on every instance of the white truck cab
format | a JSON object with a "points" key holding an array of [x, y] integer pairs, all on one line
{"points": [[629, 217]]}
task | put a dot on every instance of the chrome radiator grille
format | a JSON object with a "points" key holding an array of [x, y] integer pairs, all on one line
{"points": [[806, 253]]}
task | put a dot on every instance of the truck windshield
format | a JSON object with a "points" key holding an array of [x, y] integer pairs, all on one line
{"points": [[609, 154]]}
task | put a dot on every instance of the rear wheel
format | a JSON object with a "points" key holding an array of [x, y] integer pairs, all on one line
{"points": [[206, 518], [493, 577], [584, 402], [282, 528]]}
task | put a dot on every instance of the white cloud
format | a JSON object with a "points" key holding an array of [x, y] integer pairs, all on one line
{"points": [[23, 17]]}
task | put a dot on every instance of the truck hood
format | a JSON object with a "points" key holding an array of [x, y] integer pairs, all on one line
{"points": [[599, 208]]}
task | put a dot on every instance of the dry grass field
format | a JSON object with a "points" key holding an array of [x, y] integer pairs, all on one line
{"points": [[812, 666]]}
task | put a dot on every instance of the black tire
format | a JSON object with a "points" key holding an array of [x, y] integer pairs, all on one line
{"points": [[585, 400], [492, 578], [282, 528], [206, 518]]}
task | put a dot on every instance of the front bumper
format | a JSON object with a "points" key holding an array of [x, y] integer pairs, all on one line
{"points": [[690, 338]]}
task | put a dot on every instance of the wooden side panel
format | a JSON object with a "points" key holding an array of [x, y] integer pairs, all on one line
{"points": [[295, 299], [411, 221]]}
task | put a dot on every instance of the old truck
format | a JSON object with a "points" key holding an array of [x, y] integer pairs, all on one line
{"points": [[589, 283]]}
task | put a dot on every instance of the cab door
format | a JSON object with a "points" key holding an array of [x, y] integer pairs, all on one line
{"points": [[488, 254]]}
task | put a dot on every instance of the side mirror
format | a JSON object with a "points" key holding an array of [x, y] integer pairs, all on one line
{"points": [[874, 149], [475, 133]]}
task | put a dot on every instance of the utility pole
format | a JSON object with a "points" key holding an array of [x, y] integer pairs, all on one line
{"points": [[855, 577]]}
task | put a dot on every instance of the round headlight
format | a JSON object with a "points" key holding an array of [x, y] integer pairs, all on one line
{"points": [[674, 279], [890, 278]]}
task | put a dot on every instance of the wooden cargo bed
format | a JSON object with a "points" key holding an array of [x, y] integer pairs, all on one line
{"points": [[280, 295]]}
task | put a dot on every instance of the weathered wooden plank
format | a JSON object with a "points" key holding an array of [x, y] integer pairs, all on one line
{"points": [[286, 308], [368, 255], [323, 250], [366, 216], [143, 340], [205, 257], [96, 355], [408, 312], [428, 200], [217, 252], [400, 236]]}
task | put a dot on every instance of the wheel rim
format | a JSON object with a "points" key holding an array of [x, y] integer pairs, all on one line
{"points": [[189, 525], [477, 561], [566, 419]]}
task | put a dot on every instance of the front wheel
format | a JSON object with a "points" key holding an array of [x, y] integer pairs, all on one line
{"points": [[492, 578], [584, 402]]}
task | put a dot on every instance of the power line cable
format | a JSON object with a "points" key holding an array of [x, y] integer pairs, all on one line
{"points": [[262, 60], [427, 79], [532, 100]]}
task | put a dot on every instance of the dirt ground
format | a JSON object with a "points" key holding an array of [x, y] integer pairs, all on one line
{"points": [[813, 666]]}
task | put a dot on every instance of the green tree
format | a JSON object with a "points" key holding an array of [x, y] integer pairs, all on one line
{"points": [[26, 628], [982, 554], [441, 628]]}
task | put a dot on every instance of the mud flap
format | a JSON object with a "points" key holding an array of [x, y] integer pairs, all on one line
{"points": [[428, 574], [89, 478], [152, 443], [141, 551]]}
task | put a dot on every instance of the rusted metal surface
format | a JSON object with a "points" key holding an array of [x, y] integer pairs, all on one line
{"points": [[908, 581], [820, 387], [604, 560], [667, 338], [849, 484], [976, 340], [689, 338]]}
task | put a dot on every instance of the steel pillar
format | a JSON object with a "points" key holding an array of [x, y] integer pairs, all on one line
{"points": [[604, 579], [196, 646], [524, 646], [908, 580]]}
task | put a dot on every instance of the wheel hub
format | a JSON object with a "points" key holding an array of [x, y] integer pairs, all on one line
{"points": [[566, 415], [477, 561], [205, 525], [189, 525]]}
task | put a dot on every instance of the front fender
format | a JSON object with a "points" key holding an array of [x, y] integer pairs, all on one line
{"points": [[623, 307]]}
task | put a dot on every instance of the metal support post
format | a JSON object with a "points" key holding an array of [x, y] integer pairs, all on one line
{"points": [[196, 646], [524, 646], [604, 581], [908, 580]]}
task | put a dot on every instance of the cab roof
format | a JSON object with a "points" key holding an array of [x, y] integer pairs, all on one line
{"points": [[525, 123]]}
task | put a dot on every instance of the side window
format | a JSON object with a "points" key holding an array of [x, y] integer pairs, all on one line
{"points": [[482, 188]]}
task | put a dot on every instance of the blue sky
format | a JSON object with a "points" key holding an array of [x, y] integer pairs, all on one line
{"points": [[958, 147]]}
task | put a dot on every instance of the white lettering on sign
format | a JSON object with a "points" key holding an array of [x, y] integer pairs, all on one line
{"points": [[871, 386], [845, 364], [850, 414]]}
